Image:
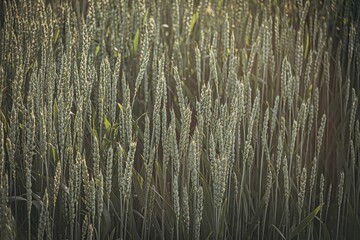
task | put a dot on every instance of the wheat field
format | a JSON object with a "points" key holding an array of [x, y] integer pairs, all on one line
{"points": [[179, 119]]}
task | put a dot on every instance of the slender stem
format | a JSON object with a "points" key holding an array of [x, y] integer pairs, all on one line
{"points": [[126, 216], [121, 218], [309, 208], [264, 223], [29, 228], [143, 234], [164, 205], [338, 223], [177, 229], [261, 170], [276, 196]]}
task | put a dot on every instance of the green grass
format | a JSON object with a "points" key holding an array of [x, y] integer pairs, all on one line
{"points": [[179, 120]]}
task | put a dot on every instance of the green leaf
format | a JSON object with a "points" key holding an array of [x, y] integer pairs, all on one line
{"points": [[97, 50], [305, 222], [108, 31], [138, 187], [145, 17], [120, 107], [94, 132], [136, 41], [116, 53], [193, 21], [219, 5], [324, 229], [53, 152], [278, 230], [159, 172], [139, 178], [307, 44], [56, 35], [55, 110], [107, 123]]}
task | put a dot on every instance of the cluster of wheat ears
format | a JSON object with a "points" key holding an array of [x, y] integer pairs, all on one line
{"points": [[204, 119]]}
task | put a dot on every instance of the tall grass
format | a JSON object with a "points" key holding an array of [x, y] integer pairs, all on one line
{"points": [[179, 119]]}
